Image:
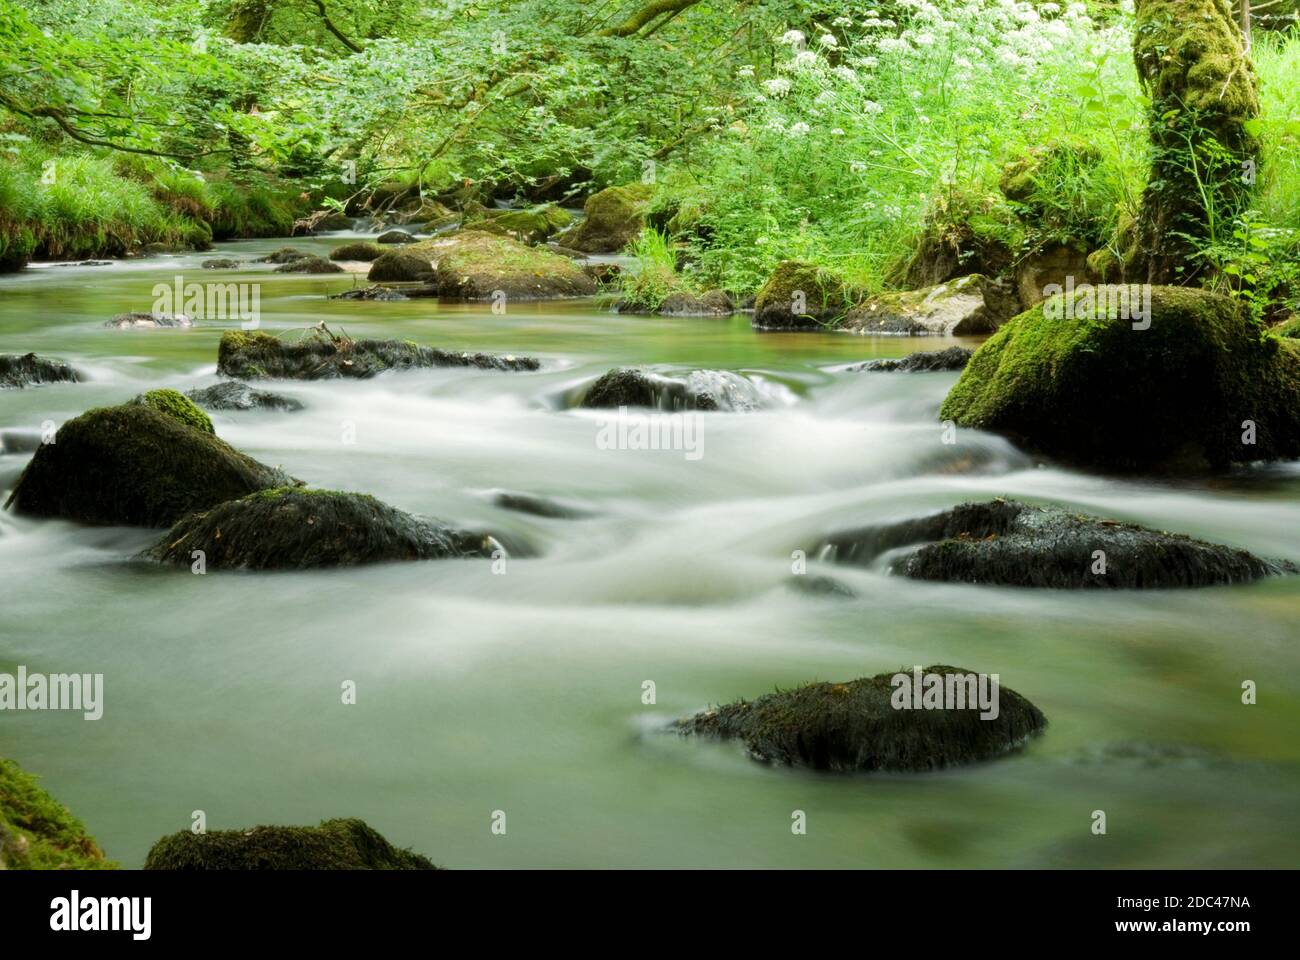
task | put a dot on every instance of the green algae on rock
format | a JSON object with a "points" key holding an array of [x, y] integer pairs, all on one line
{"points": [[258, 356], [614, 218], [309, 265], [1195, 383], [801, 296], [395, 266], [39, 833], [532, 225], [341, 844], [1007, 543], [133, 464], [855, 726], [359, 250], [298, 529], [177, 406], [476, 265]]}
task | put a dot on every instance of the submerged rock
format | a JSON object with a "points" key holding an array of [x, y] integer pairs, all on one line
{"points": [[473, 265], [855, 726], [343, 844], [309, 265], [134, 464], [820, 585], [27, 370], [39, 833], [360, 250], [953, 309], [399, 267], [614, 218], [148, 321], [297, 529], [801, 296], [220, 263], [1007, 543], [953, 358], [234, 395], [700, 390], [1088, 379], [260, 356], [539, 506], [370, 293]]}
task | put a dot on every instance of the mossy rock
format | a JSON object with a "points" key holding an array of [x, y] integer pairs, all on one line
{"points": [[532, 226], [177, 406], [1007, 543], [360, 250], [257, 356], [699, 390], [309, 265], [39, 833], [298, 529], [27, 370], [1043, 168], [395, 237], [133, 464], [684, 303], [854, 726], [953, 309], [234, 395], [221, 263], [962, 234], [614, 218], [284, 255], [1076, 381], [396, 267], [474, 265], [343, 844], [801, 296]]}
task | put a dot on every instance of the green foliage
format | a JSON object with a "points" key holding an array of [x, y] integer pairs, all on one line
{"points": [[39, 833], [655, 277]]}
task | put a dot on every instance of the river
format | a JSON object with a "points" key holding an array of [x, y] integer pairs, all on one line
{"points": [[522, 691]]}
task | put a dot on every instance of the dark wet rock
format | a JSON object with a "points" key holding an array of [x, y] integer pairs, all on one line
{"points": [[955, 308], [854, 726], [801, 296], [953, 358], [1088, 379], [19, 440], [473, 265], [297, 529], [86, 263], [177, 406], [603, 273], [820, 585], [284, 255], [234, 395], [394, 267], [220, 263], [134, 464], [1007, 543], [28, 370], [259, 356], [395, 236], [360, 250], [700, 390], [539, 506], [711, 303], [149, 321], [334, 845], [309, 265], [371, 293], [613, 219]]}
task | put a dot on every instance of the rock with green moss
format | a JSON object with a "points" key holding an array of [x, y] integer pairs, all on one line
{"points": [[342, 844], [474, 265], [221, 263], [309, 265], [532, 225], [284, 255], [1135, 378], [29, 370], [135, 464], [360, 250], [1007, 543], [963, 233], [801, 296], [259, 356], [398, 267], [954, 309], [685, 303], [298, 529], [39, 833], [856, 726], [395, 236], [234, 395], [613, 219], [698, 390], [177, 406]]}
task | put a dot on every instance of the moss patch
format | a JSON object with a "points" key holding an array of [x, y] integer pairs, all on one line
{"points": [[531, 226], [800, 295], [614, 218], [473, 265], [39, 833], [357, 251], [177, 406], [344, 844]]}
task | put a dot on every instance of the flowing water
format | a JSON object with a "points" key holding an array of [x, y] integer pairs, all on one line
{"points": [[482, 691]]}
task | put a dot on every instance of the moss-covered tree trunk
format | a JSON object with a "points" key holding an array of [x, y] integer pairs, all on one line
{"points": [[1192, 61]]}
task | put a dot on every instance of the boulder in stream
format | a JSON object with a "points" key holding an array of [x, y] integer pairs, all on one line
{"points": [[29, 370], [284, 255], [397, 267], [861, 725], [177, 406], [373, 292], [297, 529], [220, 263], [699, 390], [149, 321], [259, 356], [801, 296], [613, 219], [952, 358], [135, 464], [1007, 543], [358, 250], [474, 265], [342, 844], [309, 265], [235, 395], [395, 236], [955, 308]]}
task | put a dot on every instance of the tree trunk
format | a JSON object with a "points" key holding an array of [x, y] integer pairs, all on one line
{"points": [[1191, 59]]}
